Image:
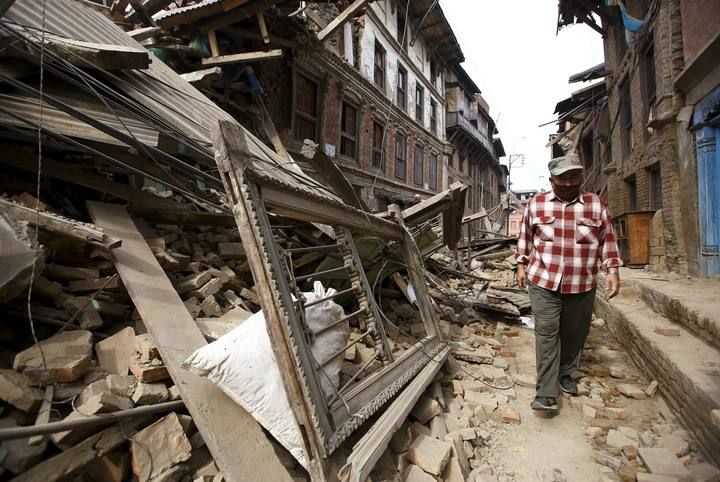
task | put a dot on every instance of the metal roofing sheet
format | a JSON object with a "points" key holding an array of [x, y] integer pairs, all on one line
{"points": [[205, 4], [54, 120], [70, 19]]}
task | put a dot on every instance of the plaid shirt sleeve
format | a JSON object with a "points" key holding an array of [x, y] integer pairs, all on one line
{"points": [[609, 254], [525, 241]]}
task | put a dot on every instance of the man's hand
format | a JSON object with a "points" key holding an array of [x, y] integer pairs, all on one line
{"points": [[612, 285], [520, 276]]}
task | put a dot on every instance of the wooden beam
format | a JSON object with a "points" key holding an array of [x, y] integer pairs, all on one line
{"points": [[144, 33], [318, 211], [588, 20], [344, 16], [212, 40], [96, 55], [368, 450], [234, 438], [237, 32], [236, 16], [203, 76], [331, 174], [243, 58], [66, 172], [56, 224], [263, 28]]}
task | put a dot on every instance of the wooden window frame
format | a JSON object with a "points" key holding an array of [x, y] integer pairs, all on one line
{"points": [[302, 115], [400, 155], [626, 114], [401, 93], [379, 65], [254, 194], [433, 116], [378, 161], [433, 172], [347, 136], [420, 106], [418, 164], [654, 174]]}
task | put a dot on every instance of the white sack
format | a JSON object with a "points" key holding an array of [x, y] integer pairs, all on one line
{"points": [[242, 364]]}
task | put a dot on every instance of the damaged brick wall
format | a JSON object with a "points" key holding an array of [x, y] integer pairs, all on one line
{"points": [[652, 147]]}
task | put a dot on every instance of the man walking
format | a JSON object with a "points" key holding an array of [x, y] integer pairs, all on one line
{"points": [[565, 235]]}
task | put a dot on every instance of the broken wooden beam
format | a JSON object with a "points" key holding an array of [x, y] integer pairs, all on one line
{"points": [[203, 76], [236, 447], [344, 16], [57, 224], [96, 55], [144, 33], [243, 58], [370, 448], [328, 171]]}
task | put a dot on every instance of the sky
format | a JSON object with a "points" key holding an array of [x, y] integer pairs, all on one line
{"points": [[522, 67]]}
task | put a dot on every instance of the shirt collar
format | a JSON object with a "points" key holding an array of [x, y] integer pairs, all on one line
{"points": [[580, 197]]}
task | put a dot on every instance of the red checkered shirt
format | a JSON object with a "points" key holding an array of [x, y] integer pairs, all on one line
{"points": [[561, 243]]}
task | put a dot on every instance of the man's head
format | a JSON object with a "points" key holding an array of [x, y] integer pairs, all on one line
{"points": [[566, 176]]}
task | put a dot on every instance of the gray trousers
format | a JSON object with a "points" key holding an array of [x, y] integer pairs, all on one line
{"points": [[562, 323]]}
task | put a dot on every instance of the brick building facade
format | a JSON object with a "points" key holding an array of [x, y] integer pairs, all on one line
{"points": [[475, 153], [653, 153], [373, 96]]}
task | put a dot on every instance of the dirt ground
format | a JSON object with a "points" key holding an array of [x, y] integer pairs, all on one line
{"points": [[555, 447]]}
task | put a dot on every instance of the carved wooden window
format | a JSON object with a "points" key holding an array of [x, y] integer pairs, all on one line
{"points": [[306, 108]]}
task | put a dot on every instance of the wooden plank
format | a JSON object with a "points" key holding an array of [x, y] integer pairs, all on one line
{"points": [[329, 172], [70, 228], [263, 28], [66, 172], [236, 441], [212, 40], [96, 55], [316, 210], [43, 416], [452, 217], [144, 33], [243, 58], [344, 16], [368, 450]]}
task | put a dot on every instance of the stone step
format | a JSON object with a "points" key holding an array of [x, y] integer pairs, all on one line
{"points": [[686, 367], [692, 303]]}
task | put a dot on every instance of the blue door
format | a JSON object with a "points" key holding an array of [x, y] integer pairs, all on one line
{"points": [[707, 138], [709, 199]]}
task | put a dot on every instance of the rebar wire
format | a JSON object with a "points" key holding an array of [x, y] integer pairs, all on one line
{"points": [[36, 246]]}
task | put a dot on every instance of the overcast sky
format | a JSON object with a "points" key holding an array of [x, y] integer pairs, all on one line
{"points": [[522, 67]]}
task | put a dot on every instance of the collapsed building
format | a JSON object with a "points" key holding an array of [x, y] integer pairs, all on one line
{"points": [[142, 219]]}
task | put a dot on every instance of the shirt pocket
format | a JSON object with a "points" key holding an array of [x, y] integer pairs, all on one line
{"points": [[587, 231], [543, 228]]}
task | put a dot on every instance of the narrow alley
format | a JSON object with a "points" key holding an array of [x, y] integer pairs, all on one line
{"points": [[351, 241]]}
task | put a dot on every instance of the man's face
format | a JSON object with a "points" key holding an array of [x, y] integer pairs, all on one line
{"points": [[567, 184]]}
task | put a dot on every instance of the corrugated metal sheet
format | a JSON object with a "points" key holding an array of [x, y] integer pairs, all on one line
{"points": [[70, 19], [210, 6], [158, 88], [28, 108]]}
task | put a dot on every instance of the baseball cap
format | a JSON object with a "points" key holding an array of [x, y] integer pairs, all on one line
{"points": [[563, 164]]}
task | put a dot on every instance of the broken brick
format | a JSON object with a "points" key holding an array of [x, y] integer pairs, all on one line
{"points": [[430, 454], [150, 393], [208, 289], [510, 415], [667, 331], [425, 409], [159, 448], [114, 353], [67, 358], [148, 371], [192, 282], [15, 389]]}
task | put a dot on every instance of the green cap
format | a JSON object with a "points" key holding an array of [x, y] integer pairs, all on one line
{"points": [[563, 164]]}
